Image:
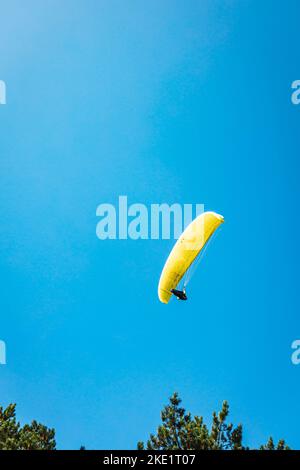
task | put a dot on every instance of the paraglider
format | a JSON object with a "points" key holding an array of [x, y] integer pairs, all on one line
{"points": [[186, 250]]}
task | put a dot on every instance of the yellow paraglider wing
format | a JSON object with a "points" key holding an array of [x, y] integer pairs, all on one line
{"points": [[185, 251]]}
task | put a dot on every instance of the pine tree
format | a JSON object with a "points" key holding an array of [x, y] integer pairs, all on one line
{"points": [[179, 430], [13, 436]]}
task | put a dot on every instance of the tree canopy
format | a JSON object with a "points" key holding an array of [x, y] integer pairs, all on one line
{"points": [[13, 436], [179, 430]]}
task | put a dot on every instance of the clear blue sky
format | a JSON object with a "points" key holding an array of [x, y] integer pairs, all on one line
{"points": [[163, 101]]}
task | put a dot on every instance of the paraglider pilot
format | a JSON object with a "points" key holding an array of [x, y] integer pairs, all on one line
{"points": [[180, 294]]}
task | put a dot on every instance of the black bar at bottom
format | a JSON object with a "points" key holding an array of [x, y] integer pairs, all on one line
{"points": [[132, 459]]}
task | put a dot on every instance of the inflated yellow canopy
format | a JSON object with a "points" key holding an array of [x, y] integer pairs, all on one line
{"points": [[185, 251]]}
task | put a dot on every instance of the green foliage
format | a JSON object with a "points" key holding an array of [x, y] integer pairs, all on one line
{"points": [[13, 436], [271, 446], [179, 430]]}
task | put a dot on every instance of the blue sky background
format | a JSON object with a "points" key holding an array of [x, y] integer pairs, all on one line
{"points": [[163, 101]]}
